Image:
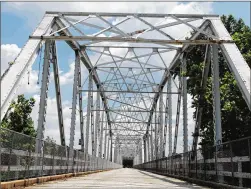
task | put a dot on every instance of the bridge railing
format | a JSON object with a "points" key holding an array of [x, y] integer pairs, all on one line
{"points": [[228, 164], [20, 161]]}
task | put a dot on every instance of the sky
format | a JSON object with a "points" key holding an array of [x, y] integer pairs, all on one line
{"points": [[19, 20]]}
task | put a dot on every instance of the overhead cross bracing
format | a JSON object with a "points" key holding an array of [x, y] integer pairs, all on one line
{"points": [[131, 61]]}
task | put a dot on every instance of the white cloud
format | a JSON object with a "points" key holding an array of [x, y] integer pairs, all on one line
{"points": [[29, 83], [8, 54]]}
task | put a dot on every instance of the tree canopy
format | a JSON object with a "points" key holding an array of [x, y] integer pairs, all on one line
{"points": [[18, 117], [235, 115]]}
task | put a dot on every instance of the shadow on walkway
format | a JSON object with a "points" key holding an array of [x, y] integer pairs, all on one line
{"points": [[179, 183]]}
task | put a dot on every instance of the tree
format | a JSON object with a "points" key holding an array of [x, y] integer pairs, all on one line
{"points": [[18, 116], [236, 117]]}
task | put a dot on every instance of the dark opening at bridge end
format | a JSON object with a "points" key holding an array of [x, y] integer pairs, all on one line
{"points": [[127, 163]]}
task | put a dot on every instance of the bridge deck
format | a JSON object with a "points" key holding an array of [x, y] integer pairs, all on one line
{"points": [[119, 178]]}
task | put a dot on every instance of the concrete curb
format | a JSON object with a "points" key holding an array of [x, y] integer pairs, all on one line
{"points": [[39, 180]]}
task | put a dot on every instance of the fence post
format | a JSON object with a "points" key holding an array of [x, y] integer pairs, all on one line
{"points": [[53, 160], [42, 164], [232, 164], [249, 153], [9, 162], [171, 170], [29, 161], [216, 168], [184, 163], [166, 164], [196, 176], [189, 163], [240, 171], [204, 164]]}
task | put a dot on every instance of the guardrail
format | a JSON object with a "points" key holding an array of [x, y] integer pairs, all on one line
{"points": [[228, 163], [20, 161]]}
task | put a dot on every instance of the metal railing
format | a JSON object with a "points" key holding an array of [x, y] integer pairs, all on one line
{"points": [[228, 163], [20, 161]]}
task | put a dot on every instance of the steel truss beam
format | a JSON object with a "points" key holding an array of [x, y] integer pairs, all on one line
{"points": [[97, 124], [132, 40], [184, 94], [149, 15], [58, 93], [74, 104], [129, 91], [142, 77], [81, 117], [43, 97], [101, 135], [169, 89], [216, 95], [177, 119]]}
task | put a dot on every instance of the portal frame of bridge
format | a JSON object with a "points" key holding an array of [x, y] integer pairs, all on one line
{"points": [[59, 26]]}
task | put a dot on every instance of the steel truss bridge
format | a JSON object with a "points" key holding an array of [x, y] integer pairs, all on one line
{"points": [[129, 62]]}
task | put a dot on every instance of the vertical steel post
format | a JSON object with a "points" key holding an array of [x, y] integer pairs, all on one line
{"points": [[161, 126], [105, 146], [97, 124], [169, 85], [43, 98], [177, 117], [88, 115], [148, 147], [216, 108], [184, 86], [144, 144], [156, 136], [116, 151], [216, 95], [108, 149], [140, 152], [101, 136], [151, 142], [165, 125], [111, 147], [74, 104], [92, 122], [81, 117]]}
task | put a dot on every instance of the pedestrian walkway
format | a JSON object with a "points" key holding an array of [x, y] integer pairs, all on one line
{"points": [[119, 178]]}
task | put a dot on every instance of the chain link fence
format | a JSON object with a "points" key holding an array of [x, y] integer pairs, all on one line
{"points": [[228, 163], [19, 159]]}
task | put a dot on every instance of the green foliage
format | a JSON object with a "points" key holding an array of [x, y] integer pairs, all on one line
{"points": [[235, 115], [18, 116]]}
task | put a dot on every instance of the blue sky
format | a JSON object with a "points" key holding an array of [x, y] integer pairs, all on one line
{"points": [[18, 21]]}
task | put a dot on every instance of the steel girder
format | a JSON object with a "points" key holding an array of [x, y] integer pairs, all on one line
{"points": [[144, 90]]}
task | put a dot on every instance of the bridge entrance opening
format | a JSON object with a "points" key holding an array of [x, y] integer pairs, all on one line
{"points": [[127, 163]]}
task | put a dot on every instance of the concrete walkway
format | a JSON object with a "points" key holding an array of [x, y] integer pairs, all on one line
{"points": [[119, 178]]}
